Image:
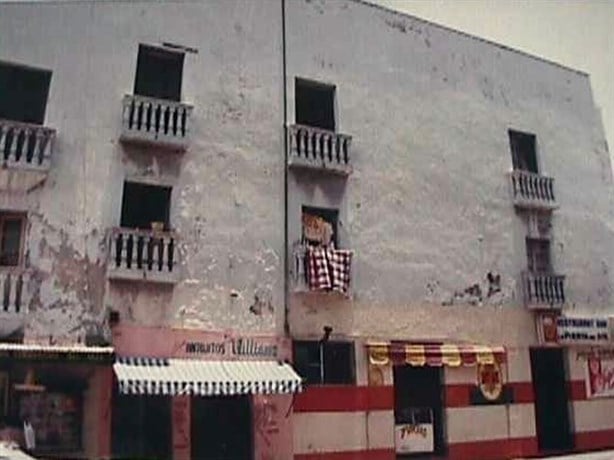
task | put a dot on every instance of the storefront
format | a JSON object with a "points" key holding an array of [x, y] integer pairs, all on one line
{"points": [[48, 395], [419, 373], [185, 394], [583, 347]]}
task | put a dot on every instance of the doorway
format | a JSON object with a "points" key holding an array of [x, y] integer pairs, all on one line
{"points": [[418, 400], [551, 402], [221, 428]]}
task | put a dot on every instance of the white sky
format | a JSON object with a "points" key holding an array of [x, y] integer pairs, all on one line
{"points": [[575, 33]]}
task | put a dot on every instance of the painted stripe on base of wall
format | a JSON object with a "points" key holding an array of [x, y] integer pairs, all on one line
{"points": [[593, 440], [374, 454], [496, 449], [344, 398]]}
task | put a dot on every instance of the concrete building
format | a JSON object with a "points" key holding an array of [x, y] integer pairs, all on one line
{"points": [[195, 192]]}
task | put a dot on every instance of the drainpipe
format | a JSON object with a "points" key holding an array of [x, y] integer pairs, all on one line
{"points": [[285, 129]]}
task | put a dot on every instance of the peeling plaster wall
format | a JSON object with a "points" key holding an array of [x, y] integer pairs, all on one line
{"points": [[227, 197], [428, 209]]}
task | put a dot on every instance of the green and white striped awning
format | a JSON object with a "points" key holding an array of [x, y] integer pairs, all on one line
{"points": [[162, 376]]}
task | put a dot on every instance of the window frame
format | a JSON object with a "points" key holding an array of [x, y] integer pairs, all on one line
{"points": [[306, 84], [47, 75], [23, 218], [520, 160], [532, 244], [330, 215], [350, 370], [146, 51]]}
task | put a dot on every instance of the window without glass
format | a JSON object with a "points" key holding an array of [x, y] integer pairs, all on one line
{"points": [[11, 239], [158, 73], [144, 204], [524, 156], [314, 104], [320, 225], [23, 93], [320, 362], [538, 255]]}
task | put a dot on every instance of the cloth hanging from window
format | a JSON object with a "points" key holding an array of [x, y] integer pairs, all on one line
{"points": [[329, 269]]}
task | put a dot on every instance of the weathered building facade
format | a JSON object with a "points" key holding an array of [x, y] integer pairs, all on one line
{"points": [[194, 192]]}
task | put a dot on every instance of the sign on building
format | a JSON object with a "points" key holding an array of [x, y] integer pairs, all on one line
{"points": [[600, 377]]}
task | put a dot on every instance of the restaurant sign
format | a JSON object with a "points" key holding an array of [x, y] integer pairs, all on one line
{"points": [[582, 331], [571, 330]]}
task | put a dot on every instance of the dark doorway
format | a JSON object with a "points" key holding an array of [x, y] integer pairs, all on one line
{"points": [[418, 396], [314, 104], [158, 73], [143, 204], [221, 428], [141, 427], [551, 403], [23, 93]]}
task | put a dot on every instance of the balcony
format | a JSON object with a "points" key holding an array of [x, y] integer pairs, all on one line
{"points": [[14, 299], [543, 290], [156, 122], [319, 149], [143, 255], [26, 151], [530, 190]]}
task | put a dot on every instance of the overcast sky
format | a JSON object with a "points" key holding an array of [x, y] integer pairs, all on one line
{"points": [[575, 33]]}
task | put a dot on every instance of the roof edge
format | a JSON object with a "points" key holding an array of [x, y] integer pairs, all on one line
{"points": [[386, 9]]}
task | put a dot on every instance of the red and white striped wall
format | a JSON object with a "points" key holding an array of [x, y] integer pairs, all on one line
{"points": [[357, 421]]}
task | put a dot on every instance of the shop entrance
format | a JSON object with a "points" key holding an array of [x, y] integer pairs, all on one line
{"points": [[418, 404], [551, 403], [221, 428], [141, 427]]}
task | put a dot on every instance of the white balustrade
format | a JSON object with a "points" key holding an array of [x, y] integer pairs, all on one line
{"points": [[532, 190], [143, 255], [13, 292], [156, 121], [319, 149], [25, 145]]}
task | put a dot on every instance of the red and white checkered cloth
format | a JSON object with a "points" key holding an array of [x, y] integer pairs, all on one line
{"points": [[329, 268]]}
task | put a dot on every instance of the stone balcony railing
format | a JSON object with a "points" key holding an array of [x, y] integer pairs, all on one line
{"points": [[26, 146], [530, 190], [143, 255], [14, 299], [319, 149], [543, 290], [158, 122]]}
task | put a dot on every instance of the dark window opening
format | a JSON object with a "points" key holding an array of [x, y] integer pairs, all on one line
{"points": [[524, 155], [158, 73], [320, 225], [11, 236], [325, 362], [221, 428], [314, 104], [144, 205], [538, 255], [141, 426], [23, 93]]}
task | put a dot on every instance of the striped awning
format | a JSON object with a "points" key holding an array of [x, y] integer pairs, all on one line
{"points": [[156, 376], [64, 353], [384, 353]]}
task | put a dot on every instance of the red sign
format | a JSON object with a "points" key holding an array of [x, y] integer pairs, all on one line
{"points": [[600, 376]]}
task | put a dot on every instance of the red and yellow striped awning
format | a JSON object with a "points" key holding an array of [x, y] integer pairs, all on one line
{"points": [[446, 354]]}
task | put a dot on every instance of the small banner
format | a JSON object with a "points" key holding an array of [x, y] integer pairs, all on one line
{"points": [[600, 377]]}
